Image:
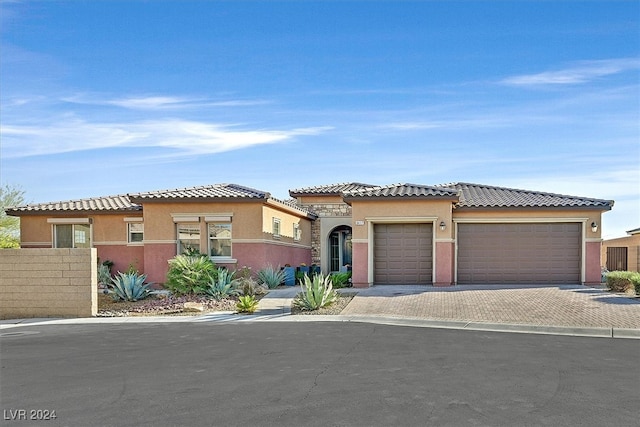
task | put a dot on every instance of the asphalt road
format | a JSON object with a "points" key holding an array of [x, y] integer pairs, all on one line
{"points": [[312, 374]]}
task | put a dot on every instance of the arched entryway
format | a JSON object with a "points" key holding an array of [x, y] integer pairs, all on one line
{"points": [[340, 248]]}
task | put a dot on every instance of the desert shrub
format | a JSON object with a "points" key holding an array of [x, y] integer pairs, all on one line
{"points": [[222, 286], [247, 304], [190, 274], [340, 280], [248, 286], [624, 281], [129, 287], [316, 293], [104, 274], [270, 276]]}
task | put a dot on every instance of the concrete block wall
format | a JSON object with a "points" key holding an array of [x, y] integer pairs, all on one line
{"points": [[48, 283]]}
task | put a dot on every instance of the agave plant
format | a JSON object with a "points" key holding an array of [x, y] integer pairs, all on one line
{"points": [[270, 276], [190, 274], [316, 293], [247, 304], [222, 286], [129, 286]]}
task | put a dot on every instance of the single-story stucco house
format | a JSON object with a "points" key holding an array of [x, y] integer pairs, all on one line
{"points": [[448, 234], [623, 253]]}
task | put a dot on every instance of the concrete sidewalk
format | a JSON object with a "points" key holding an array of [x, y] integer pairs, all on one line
{"points": [[566, 310]]}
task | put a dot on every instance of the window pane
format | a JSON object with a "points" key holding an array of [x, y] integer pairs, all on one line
{"points": [[64, 235], [188, 237], [136, 232], [220, 240], [276, 227], [81, 236]]}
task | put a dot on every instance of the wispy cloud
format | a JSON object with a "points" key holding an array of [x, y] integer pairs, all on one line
{"points": [[581, 72], [183, 136], [161, 102]]}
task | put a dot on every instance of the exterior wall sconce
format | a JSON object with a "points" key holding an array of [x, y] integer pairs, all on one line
{"points": [[442, 225], [594, 227]]}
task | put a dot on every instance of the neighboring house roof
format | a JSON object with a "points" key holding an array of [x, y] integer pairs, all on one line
{"points": [[231, 192], [487, 196], [634, 231], [405, 191], [329, 190], [107, 204]]}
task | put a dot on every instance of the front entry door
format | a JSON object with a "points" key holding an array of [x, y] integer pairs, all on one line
{"points": [[340, 248]]}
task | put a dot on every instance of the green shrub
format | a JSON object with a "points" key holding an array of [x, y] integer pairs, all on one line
{"points": [[104, 274], [316, 293], [129, 287], [222, 286], [270, 276], [624, 281], [247, 304], [190, 274], [340, 280]]}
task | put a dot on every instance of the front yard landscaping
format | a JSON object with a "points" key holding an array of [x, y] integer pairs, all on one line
{"points": [[195, 286]]}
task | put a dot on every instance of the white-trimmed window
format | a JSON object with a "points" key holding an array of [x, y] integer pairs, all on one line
{"points": [[188, 237], [135, 232], [219, 239], [72, 235], [297, 233], [275, 228]]}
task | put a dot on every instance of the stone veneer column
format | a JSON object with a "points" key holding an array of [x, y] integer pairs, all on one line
{"points": [[324, 210]]}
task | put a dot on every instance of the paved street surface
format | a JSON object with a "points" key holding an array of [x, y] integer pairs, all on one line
{"points": [[313, 374]]}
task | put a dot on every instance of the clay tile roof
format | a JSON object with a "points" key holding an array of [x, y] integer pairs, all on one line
{"points": [[120, 203], [486, 196], [406, 191], [329, 190], [217, 191]]}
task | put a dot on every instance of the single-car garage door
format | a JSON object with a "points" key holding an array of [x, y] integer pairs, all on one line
{"points": [[519, 253], [403, 253]]}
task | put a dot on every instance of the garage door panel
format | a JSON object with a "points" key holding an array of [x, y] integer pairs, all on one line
{"points": [[519, 253], [403, 253]]}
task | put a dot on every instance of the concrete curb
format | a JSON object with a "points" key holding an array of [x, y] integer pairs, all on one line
{"points": [[598, 332]]}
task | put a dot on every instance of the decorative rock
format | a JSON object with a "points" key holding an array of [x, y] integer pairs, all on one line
{"points": [[193, 307]]}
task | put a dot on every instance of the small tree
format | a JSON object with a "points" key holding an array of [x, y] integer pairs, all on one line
{"points": [[10, 196]]}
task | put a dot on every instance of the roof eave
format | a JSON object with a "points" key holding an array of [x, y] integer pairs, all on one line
{"points": [[142, 200], [11, 212], [530, 208]]}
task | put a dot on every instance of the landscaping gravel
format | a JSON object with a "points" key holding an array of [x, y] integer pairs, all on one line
{"points": [[344, 298]]}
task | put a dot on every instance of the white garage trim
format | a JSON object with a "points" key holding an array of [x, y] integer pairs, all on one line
{"points": [[515, 220]]}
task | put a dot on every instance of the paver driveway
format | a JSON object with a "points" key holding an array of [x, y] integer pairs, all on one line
{"points": [[570, 306]]}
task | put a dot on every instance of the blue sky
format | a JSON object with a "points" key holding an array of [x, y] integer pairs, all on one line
{"points": [[111, 97]]}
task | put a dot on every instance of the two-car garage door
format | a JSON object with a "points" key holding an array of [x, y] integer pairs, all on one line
{"points": [[519, 253], [487, 253]]}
